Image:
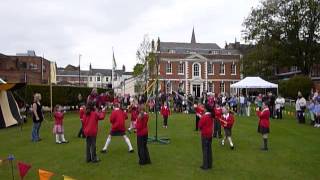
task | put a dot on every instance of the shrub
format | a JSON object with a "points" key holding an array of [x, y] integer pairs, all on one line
{"points": [[63, 95], [289, 88]]}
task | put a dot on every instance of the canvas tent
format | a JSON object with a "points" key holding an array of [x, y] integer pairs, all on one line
{"points": [[254, 83], [9, 110]]}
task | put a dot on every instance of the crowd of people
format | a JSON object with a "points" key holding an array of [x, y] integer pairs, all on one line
{"points": [[215, 116]]}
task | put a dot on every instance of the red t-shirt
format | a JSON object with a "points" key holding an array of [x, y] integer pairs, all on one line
{"points": [[134, 113], [90, 122], [229, 119], [165, 111], [206, 125], [142, 125], [58, 118], [264, 118], [117, 120]]}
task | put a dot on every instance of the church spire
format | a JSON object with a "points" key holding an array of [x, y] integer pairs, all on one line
{"points": [[193, 37]]}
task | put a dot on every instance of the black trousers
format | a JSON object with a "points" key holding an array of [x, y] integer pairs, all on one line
{"points": [[165, 120], [279, 113], [300, 115], [91, 148], [271, 111], [206, 152], [197, 122], [217, 129], [80, 133], [143, 151]]}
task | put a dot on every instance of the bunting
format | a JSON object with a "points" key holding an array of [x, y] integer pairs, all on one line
{"points": [[45, 175], [23, 169], [68, 178]]}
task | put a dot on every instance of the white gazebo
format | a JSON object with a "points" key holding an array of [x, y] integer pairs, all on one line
{"points": [[254, 83]]}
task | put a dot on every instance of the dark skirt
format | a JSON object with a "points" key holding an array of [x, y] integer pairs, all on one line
{"points": [[227, 132], [117, 133], [263, 130]]}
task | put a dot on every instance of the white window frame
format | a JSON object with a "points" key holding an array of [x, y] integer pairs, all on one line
{"points": [[179, 72], [235, 68], [172, 51], [224, 69], [224, 87], [199, 69], [212, 68], [169, 87], [215, 52], [168, 67], [210, 85]]}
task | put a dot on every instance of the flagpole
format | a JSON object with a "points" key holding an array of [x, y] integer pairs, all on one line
{"points": [[50, 83], [112, 71]]}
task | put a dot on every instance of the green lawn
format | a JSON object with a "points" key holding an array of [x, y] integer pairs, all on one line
{"points": [[294, 152]]}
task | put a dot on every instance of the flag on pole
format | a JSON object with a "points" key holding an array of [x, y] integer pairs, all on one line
{"points": [[68, 178], [23, 169], [45, 175]]}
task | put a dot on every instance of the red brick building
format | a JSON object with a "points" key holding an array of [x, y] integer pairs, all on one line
{"points": [[24, 68], [197, 67]]}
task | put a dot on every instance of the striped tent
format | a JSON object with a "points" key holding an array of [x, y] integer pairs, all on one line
{"points": [[9, 110]]}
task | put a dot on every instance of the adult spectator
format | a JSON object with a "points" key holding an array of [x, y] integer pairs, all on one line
{"points": [[37, 117], [271, 104], [300, 108], [243, 105], [279, 106]]}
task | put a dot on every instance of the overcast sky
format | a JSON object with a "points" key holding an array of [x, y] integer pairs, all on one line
{"points": [[62, 29]]}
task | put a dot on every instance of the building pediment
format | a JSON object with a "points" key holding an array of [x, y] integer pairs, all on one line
{"points": [[196, 56]]}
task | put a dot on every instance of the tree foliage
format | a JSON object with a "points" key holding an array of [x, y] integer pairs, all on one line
{"points": [[290, 88], [286, 33], [138, 69]]}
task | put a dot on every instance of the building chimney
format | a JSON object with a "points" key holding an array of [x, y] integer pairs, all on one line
{"points": [[123, 68]]}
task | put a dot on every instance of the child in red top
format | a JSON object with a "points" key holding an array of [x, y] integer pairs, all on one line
{"points": [[82, 112], [90, 129], [142, 136], [206, 127], [58, 125], [151, 105], [165, 112], [217, 126], [199, 112], [117, 120], [134, 114], [264, 124], [227, 121]]}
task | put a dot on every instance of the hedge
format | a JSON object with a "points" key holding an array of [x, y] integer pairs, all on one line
{"points": [[289, 88], [63, 95]]}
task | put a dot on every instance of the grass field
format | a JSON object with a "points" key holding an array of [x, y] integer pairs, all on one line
{"points": [[294, 152]]}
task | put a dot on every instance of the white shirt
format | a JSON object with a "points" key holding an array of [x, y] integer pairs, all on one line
{"points": [[241, 100]]}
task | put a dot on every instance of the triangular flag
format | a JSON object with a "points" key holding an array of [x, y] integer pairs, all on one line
{"points": [[45, 175], [23, 169], [68, 178]]}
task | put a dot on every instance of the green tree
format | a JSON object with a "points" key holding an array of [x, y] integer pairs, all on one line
{"points": [[138, 69], [285, 33]]}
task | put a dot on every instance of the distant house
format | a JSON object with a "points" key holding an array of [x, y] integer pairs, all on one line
{"points": [[24, 68], [101, 78]]}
